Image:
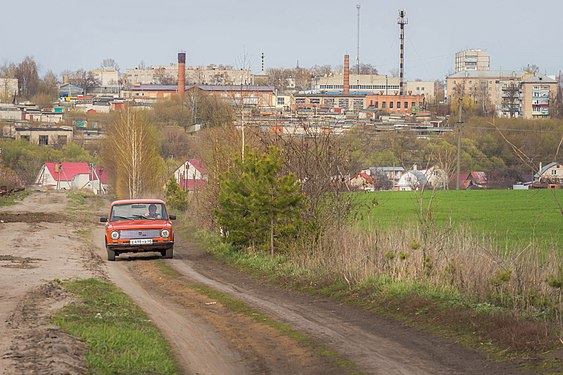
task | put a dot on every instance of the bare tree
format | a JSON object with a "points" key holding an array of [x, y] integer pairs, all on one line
{"points": [[130, 152], [28, 77], [83, 79], [109, 65], [163, 78], [364, 69], [531, 68]]}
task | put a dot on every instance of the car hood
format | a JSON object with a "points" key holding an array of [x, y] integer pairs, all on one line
{"points": [[139, 224]]}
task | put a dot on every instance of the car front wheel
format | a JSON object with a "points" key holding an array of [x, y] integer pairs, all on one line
{"points": [[111, 254], [169, 254]]}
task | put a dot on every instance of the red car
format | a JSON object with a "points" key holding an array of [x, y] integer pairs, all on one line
{"points": [[139, 225]]}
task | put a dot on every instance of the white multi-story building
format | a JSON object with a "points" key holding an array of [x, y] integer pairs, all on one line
{"points": [[472, 59], [198, 75]]}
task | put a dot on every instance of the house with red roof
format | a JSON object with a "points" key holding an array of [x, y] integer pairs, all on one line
{"points": [[191, 175], [363, 181], [472, 180], [72, 175]]}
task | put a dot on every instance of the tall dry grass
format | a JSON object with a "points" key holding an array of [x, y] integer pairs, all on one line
{"points": [[456, 259]]}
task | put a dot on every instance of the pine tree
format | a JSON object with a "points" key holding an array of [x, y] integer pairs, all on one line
{"points": [[176, 198], [259, 207]]}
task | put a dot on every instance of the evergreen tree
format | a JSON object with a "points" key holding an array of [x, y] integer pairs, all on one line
{"points": [[259, 206], [176, 197]]}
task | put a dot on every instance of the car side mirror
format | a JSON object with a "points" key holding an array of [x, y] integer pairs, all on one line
{"points": [[172, 217], [103, 220]]}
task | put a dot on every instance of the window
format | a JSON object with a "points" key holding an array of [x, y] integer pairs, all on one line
{"points": [[384, 104], [406, 105], [398, 105], [25, 137], [281, 101], [343, 103], [61, 140], [43, 139], [554, 171], [376, 104], [390, 104], [315, 101]]}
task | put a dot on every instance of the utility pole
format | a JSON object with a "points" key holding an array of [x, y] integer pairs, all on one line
{"points": [[242, 116], [358, 42], [459, 125]]}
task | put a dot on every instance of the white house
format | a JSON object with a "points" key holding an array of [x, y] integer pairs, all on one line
{"points": [[191, 175], [72, 175], [551, 174], [412, 180]]}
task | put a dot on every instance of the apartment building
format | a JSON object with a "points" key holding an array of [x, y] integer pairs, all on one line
{"points": [[471, 60], [505, 93], [200, 75]]}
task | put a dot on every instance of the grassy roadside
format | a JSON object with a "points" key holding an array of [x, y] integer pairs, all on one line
{"points": [[119, 336], [11, 199], [496, 332]]}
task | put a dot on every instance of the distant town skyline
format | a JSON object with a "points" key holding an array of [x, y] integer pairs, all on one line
{"points": [[312, 32]]}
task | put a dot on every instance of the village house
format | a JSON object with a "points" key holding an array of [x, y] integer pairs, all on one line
{"points": [[362, 181], [549, 176], [191, 175], [72, 176]]}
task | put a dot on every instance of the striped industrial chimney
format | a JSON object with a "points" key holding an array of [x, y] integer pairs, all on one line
{"points": [[181, 73], [402, 21], [346, 90]]}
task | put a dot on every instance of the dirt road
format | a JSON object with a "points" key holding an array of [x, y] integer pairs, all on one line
{"points": [[40, 245]]}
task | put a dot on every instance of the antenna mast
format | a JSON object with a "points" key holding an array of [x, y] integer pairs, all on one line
{"points": [[358, 42]]}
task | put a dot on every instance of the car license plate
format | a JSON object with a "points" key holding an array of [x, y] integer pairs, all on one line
{"points": [[147, 241]]}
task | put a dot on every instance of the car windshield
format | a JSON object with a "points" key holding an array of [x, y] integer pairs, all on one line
{"points": [[138, 211]]}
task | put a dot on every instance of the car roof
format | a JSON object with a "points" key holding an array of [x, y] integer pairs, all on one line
{"points": [[137, 201]]}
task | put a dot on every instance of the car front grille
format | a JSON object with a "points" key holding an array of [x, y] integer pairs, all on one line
{"points": [[141, 233]]}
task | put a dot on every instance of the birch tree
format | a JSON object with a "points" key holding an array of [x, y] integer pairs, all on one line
{"points": [[130, 152]]}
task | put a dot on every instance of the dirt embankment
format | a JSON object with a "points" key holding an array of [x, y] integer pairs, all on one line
{"points": [[38, 246]]}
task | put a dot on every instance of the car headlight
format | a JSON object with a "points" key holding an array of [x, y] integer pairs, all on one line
{"points": [[164, 233], [114, 235]]}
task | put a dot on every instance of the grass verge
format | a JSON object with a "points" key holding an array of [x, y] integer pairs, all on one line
{"points": [[11, 199], [491, 329], [119, 336]]}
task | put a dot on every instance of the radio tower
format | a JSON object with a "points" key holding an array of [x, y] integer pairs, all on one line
{"points": [[358, 44], [402, 21]]}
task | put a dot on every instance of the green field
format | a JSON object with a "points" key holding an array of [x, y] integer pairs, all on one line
{"points": [[512, 217]]}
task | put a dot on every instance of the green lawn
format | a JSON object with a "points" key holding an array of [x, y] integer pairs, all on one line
{"points": [[512, 217]]}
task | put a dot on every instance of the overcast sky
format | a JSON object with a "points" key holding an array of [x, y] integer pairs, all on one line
{"points": [[75, 34]]}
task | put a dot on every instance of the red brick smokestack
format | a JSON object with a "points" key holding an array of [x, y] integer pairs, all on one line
{"points": [[181, 73], [346, 90]]}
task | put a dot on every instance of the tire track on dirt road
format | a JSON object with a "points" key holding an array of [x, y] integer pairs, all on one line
{"points": [[376, 345]]}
